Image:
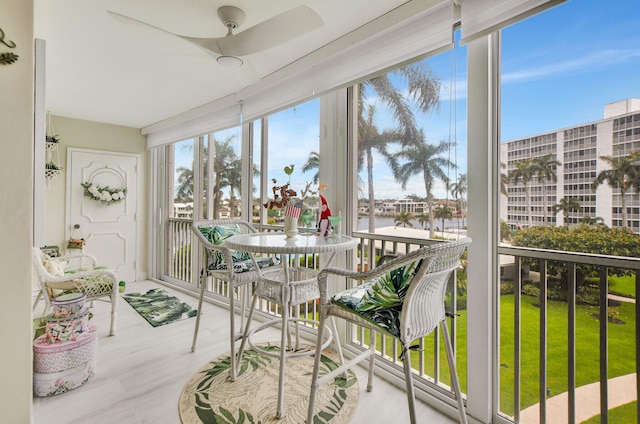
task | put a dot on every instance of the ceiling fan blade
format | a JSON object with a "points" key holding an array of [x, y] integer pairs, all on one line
{"points": [[270, 33], [209, 44]]}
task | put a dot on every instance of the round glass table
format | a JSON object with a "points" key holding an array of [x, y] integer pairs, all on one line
{"points": [[288, 285]]}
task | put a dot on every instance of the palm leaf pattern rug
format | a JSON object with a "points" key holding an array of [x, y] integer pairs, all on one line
{"points": [[211, 397], [158, 307]]}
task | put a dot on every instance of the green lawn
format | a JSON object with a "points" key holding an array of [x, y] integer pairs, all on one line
{"points": [[621, 349], [621, 344], [622, 414], [624, 285]]}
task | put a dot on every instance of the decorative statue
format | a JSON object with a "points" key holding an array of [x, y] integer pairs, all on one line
{"points": [[324, 226]]}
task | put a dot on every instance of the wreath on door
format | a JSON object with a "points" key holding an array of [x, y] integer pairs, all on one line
{"points": [[104, 194]]}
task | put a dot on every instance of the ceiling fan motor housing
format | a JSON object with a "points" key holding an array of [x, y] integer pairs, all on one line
{"points": [[231, 16]]}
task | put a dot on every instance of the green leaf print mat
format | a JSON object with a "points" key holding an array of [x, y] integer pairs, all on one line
{"points": [[210, 397], [158, 307]]}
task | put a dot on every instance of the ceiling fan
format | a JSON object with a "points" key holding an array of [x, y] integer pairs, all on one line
{"points": [[265, 35]]}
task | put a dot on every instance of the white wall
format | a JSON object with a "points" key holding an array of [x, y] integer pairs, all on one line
{"points": [[16, 211], [96, 136]]}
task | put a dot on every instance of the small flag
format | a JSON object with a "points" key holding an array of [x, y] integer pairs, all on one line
{"points": [[293, 211]]}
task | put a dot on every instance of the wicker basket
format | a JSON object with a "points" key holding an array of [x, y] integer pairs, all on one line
{"points": [[56, 357], [303, 285]]}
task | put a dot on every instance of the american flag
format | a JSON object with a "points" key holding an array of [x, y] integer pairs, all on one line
{"points": [[292, 211]]}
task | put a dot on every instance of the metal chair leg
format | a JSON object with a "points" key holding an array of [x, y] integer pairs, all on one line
{"points": [[408, 379], [454, 374], [203, 279], [316, 372], [245, 333]]}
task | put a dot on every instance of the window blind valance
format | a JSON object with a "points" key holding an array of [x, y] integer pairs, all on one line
{"points": [[482, 17], [414, 30]]}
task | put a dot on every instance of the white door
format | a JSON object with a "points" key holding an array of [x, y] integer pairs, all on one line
{"points": [[109, 228]]}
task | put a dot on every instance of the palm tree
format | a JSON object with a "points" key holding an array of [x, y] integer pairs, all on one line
{"points": [[224, 174], [184, 193], [313, 163], [458, 190], [370, 140], [504, 181], [422, 92], [423, 158], [589, 220], [403, 218], [423, 218], [624, 173], [523, 172], [566, 205], [443, 212], [545, 169], [233, 178]]}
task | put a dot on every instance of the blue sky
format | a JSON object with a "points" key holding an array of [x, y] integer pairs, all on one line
{"points": [[559, 69]]}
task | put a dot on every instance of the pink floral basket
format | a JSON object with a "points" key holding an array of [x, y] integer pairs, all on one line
{"points": [[55, 357], [68, 304], [65, 327]]}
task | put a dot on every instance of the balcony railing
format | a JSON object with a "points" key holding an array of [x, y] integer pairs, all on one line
{"points": [[533, 354], [557, 327], [429, 360]]}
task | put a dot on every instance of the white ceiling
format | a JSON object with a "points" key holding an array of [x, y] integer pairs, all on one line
{"points": [[100, 69]]}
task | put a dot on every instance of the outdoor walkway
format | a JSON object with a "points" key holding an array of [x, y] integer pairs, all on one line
{"points": [[622, 390]]}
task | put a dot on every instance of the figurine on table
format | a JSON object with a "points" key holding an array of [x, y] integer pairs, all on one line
{"points": [[324, 226]]}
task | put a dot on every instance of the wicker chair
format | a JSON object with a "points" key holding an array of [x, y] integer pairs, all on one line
{"points": [[234, 267], [78, 272], [402, 298]]}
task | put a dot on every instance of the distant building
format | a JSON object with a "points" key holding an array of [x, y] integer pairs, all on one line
{"points": [[183, 210], [578, 149]]}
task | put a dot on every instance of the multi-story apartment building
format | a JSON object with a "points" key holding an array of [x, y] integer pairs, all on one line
{"points": [[578, 149]]}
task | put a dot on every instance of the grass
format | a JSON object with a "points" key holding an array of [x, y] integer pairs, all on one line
{"points": [[621, 342], [622, 414], [621, 348], [624, 285]]}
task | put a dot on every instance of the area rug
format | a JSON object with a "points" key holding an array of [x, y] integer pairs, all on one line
{"points": [[211, 397], [158, 307]]}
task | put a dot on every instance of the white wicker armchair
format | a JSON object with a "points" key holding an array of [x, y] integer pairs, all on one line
{"points": [[402, 298], [78, 272]]}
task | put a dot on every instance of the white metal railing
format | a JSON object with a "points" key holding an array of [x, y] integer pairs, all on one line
{"points": [[549, 266], [427, 360]]}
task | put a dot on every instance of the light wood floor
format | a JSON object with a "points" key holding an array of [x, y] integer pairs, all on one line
{"points": [[141, 372]]}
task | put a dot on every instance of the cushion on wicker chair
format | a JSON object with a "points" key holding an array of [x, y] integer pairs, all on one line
{"points": [[55, 266], [217, 235], [380, 299], [246, 265]]}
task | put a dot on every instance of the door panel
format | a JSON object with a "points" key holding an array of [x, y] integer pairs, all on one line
{"points": [[109, 229]]}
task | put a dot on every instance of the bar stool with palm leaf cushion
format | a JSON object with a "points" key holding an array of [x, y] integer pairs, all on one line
{"points": [[403, 298], [241, 271]]}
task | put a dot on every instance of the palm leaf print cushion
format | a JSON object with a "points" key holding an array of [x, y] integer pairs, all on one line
{"points": [[380, 299], [217, 235]]}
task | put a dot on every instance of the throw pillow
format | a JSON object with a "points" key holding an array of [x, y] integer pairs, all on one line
{"points": [[55, 267], [387, 290], [217, 235]]}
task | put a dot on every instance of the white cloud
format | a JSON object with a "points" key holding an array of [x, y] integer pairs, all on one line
{"points": [[589, 62]]}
